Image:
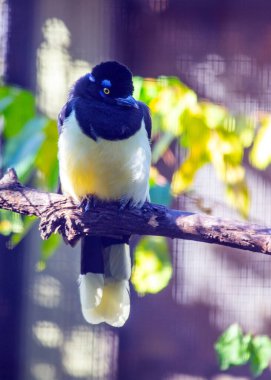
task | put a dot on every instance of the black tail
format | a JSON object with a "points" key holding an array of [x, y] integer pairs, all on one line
{"points": [[92, 255], [104, 280]]}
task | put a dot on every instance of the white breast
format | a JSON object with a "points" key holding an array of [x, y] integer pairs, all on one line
{"points": [[109, 169]]}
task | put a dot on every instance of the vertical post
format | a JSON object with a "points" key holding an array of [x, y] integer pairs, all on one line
{"points": [[19, 71], [21, 58]]}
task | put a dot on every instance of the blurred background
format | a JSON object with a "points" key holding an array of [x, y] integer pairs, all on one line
{"points": [[223, 51]]}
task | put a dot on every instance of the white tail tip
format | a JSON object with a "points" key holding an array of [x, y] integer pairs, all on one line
{"points": [[91, 289], [114, 307]]}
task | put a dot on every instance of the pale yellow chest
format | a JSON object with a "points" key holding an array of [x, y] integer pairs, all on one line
{"points": [[109, 169]]}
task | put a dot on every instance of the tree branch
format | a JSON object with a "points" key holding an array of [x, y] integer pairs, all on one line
{"points": [[58, 213]]}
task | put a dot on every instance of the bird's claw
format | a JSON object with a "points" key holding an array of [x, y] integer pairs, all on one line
{"points": [[89, 202], [126, 203]]}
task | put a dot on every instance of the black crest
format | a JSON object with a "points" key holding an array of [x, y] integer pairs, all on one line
{"points": [[119, 76]]}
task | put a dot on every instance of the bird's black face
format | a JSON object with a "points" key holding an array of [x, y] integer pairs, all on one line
{"points": [[110, 82]]}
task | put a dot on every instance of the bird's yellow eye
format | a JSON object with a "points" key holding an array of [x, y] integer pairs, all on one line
{"points": [[106, 91]]}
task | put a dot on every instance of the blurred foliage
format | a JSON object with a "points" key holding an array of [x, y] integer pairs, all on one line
{"points": [[235, 348], [260, 154], [29, 146], [152, 265], [10, 223], [207, 133]]}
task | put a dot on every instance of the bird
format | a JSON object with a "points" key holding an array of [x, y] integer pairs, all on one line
{"points": [[104, 152]]}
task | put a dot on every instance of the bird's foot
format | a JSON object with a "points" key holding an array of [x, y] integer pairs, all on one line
{"points": [[88, 203], [126, 203]]}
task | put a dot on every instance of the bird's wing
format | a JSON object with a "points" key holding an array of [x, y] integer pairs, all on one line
{"points": [[147, 118], [64, 113]]}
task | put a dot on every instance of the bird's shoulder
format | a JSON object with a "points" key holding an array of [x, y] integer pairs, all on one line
{"points": [[64, 113]]}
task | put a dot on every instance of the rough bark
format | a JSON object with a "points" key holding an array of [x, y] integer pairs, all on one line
{"points": [[58, 213]]}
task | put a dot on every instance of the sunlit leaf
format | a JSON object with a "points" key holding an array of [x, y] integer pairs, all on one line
{"points": [[234, 174], [147, 89], [172, 101], [183, 178], [194, 130], [187, 95], [239, 198], [138, 83], [5, 227], [5, 102], [260, 354], [152, 266], [46, 158], [245, 129], [19, 111], [10, 222], [5, 223], [232, 347], [260, 154], [224, 149], [213, 115], [20, 151]]}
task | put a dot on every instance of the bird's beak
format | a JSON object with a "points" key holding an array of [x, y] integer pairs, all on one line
{"points": [[127, 102]]}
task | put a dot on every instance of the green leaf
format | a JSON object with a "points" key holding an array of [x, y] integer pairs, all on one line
{"points": [[233, 348], [152, 266], [147, 89], [260, 354], [10, 222], [19, 111], [21, 150], [138, 83], [17, 236], [239, 198], [183, 177], [46, 158], [5, 102], [48, 248], [213, 115], [245, 129], [260, 154], [194, 130]]}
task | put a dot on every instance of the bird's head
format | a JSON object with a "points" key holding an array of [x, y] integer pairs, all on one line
{"points": [[110, 82]]}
